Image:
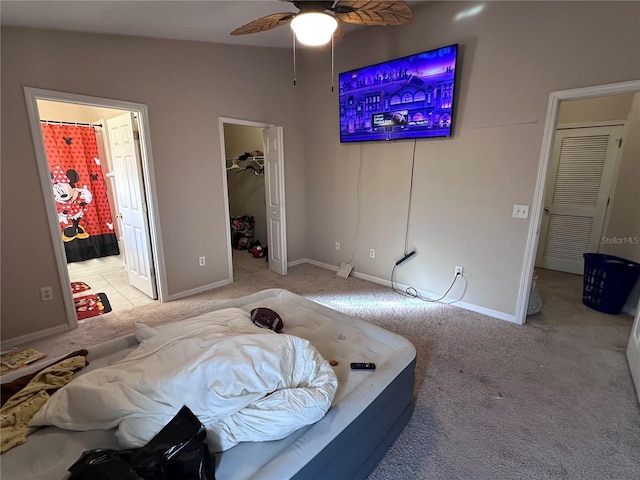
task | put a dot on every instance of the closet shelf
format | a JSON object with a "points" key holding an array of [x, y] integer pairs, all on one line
{"points": [[232, 163], [258, 160]]}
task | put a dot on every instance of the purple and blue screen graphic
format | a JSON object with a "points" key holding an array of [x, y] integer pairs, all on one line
{"points": [[410, 97]]}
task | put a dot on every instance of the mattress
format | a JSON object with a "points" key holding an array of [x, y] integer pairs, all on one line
{"points": [[369, 410]]}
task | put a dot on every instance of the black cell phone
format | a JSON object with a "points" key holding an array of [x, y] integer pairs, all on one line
{"points": [[363, 366]]}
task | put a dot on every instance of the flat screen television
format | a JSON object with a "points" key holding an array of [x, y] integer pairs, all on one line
{"points": [[409, 97]]}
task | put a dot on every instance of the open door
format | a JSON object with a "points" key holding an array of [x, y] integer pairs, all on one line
{"points": [[274, 194], [130, 199], [633, 351]]}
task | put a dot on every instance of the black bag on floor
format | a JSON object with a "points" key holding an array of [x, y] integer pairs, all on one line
{"points": [[102, 464], [177, 452]]}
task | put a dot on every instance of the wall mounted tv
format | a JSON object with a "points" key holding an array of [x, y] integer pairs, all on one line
{"points": [[409, 97]]}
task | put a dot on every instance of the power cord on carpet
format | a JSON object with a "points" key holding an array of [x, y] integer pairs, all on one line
{"points": [[414, 293]]}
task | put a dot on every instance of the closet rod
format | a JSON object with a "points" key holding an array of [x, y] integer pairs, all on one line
{"points": [[78, 124]]}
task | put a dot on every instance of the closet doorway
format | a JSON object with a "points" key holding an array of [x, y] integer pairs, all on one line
{"points": [[254, 184], [113, 269]]}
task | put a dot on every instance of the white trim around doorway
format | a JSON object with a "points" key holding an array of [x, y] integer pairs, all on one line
{"points": [[32, 95], [547, 149]]}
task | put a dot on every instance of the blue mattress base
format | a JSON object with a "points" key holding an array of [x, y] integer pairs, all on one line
{"points": [[356, 452]]}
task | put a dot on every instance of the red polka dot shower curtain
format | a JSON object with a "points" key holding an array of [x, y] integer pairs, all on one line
{"points": [[80, 192]]}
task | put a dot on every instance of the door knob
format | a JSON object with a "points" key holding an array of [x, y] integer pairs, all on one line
{"points": [[547, 209], [119, 215]]}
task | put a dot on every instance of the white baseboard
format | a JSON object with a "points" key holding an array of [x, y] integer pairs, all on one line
{"points": [[300, 261], [507, 317], [317, 264], [32, 337], [194, 291], [451, 301]]}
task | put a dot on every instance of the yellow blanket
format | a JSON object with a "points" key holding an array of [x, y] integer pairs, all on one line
{"points": [[16, 414]]}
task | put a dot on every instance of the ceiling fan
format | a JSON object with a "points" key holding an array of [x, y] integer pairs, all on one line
{"points": [[313, 17]]}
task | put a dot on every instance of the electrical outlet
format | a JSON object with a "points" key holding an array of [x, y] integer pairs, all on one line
{"points": [[459, 270], [201, 260], [337, 245], [520, 211], [46, 293], [372, 253]]}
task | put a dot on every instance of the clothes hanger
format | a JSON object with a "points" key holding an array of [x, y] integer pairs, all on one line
{"points": [[234, 165], [251, 167]]}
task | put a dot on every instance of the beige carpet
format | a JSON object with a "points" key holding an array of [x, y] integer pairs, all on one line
{"points": [[250, 275], [551, 399]]}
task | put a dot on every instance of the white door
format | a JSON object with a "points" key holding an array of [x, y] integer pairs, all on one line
{"points": [[577, 196], [633, 351], [130, 199], [274, 194]]}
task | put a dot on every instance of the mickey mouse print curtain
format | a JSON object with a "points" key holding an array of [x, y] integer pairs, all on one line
{"points": [[80, 192]]}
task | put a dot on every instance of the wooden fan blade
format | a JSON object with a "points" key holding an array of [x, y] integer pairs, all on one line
{"points": [[265, 23], [363, 12], [339, 33]]}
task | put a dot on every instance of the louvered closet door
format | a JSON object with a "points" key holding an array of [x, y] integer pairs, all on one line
{"points": [[577, 193]]}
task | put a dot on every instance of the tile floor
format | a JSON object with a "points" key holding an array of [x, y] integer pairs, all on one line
{"points": [[108, 275]]}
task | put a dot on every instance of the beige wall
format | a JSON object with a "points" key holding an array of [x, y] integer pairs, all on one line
{"points": [[513, 54], [186, 86], [609, 108], [246, 190], [622, 237], [71, 112]]}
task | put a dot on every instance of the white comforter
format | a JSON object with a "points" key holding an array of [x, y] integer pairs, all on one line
{"points": [[244, 383]]}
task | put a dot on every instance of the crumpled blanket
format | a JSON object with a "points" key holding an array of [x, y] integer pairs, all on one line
{"points": [[18, 411], [9, 389], [243, 383]]}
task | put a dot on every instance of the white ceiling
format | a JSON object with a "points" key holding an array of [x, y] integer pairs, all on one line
{"points": [[203, 20]]}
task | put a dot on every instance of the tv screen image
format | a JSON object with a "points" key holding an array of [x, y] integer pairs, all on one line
{"points": [[409, 97]]}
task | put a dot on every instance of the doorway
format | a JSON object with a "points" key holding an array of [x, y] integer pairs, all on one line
{"points": [[578, 191], [253, 157], [244, 163], [108, 274], [114, 270], [553, 111]]}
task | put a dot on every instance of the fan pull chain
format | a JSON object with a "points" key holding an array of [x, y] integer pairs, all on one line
{"points": [[332, 46], [294, 59]]}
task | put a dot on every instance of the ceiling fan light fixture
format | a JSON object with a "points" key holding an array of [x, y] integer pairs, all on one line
{"points": [[314, 28]]}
